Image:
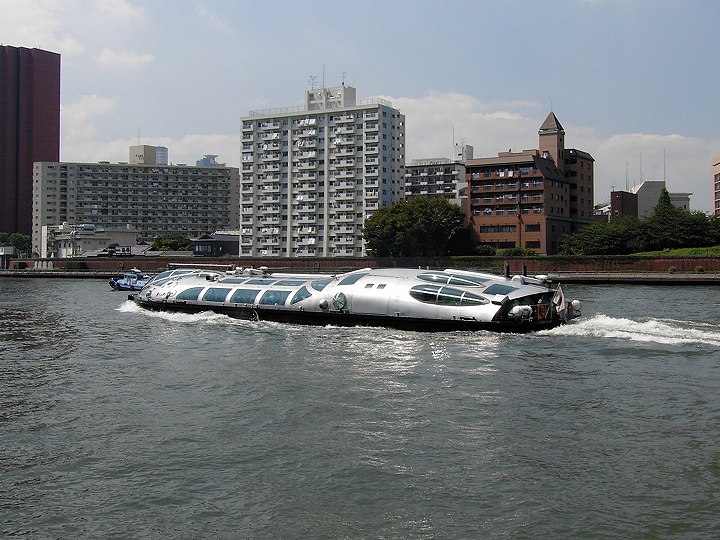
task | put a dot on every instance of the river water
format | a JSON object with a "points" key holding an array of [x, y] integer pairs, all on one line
{"points": [[121, 423]]}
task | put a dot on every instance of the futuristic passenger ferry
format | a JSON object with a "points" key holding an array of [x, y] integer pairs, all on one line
{"points": [[410, 299]]}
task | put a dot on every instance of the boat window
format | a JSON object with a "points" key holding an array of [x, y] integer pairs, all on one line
{"points": [[467, 281], [234, 280], [369, 285], [434, 277], [216, 294], [302, 294], [189, 294], [320, 284], [261, 281], [425, 293], [448, 296], [164, 274], [353, 278], [274, 298], [382, 286], [244, 296], [291, 282], [498, 288]]}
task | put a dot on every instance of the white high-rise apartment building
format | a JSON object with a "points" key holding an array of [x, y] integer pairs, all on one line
{"points": [[311, 175]]}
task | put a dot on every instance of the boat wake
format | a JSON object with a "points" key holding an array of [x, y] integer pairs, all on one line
{"points": [[205, 317], [663, 331]]}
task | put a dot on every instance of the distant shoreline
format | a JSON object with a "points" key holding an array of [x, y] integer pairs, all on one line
{"points": [[585, 278]]}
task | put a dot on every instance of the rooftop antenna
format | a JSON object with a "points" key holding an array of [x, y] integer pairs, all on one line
{"points": [[343, 77], [323, 77], [313, 78], [627, 186]]}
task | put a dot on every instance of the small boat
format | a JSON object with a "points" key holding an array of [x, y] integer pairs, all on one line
{"points": [[132, 280], [409, 299]]}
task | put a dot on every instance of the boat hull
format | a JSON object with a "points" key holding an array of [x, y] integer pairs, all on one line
{"points": [[406, 299]]}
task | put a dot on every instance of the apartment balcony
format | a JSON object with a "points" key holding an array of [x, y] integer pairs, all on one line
{"points": [[305, 133], [372, 138], [345, 119], [372, 194], [302, 208], [270, 178], [270, 136], [344, 196], [371, 150], [307, 165], [269, 220], [345, 163], [269, 199], [305, 219], [269, 125], [274, 156], [345, 151], [346, 184], [306, 197], [376, 161], [309, 252], [345, 130], [268, 231], [271, 188], [306, 143], [372, 205], [307, 154], [344, 141], [269, 167], [345, 173]]}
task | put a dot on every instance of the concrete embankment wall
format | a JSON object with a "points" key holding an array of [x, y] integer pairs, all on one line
{"points": [[532, 265]]}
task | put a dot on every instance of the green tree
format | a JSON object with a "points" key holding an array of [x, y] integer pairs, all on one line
{"points": [[171, 242], [21, 242], [668, 227], [418, 226]]}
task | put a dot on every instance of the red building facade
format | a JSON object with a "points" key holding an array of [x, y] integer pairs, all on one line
{"points": [[29, 128]]}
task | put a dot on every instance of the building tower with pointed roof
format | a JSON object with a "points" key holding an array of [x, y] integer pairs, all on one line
{"points": [[552, 138]]}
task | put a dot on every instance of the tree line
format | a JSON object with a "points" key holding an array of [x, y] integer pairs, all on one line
{"points": [[668, 227]]}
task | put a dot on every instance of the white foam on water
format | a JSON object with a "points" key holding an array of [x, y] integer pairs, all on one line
{"points": [[665, 331], [203, 317]]}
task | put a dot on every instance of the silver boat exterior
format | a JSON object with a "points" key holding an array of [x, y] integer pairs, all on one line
{"points": [[409, 299]]}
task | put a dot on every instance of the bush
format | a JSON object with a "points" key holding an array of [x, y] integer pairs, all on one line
{"points": [[672, 270], [76, 265], [485, 250], [699, 270]]}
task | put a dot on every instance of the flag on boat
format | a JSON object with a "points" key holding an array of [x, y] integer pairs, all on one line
{"points": [[559, 300]]}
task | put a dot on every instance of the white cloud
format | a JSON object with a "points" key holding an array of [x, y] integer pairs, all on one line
{"points": [[119, 10], [37, 23], [122, 59], [78, 131]]}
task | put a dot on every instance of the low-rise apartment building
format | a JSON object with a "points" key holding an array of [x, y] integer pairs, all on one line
{"points": [[153, 199]]}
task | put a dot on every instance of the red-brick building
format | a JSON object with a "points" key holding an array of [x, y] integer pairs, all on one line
{"points": [[530, 199], [29, 128]]}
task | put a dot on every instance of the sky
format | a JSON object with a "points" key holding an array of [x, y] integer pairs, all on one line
{"points": [[633, 82]]}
